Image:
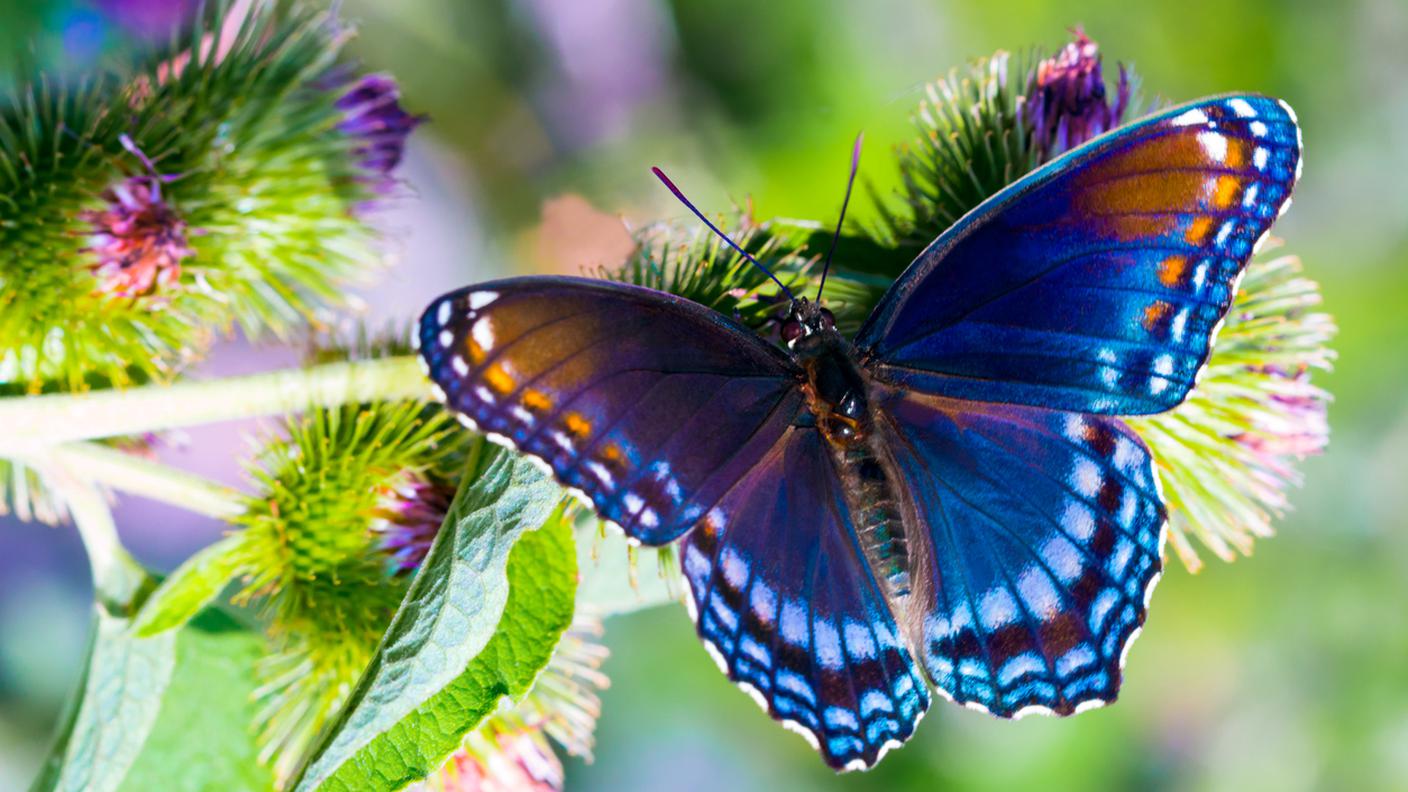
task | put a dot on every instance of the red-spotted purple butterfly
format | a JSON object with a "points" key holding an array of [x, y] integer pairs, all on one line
{"points": [[950, 493]]}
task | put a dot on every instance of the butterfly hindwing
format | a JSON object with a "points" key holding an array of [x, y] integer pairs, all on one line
{"points": [[1095, 283], [1035, 540], [787, 604], [650, 405]]}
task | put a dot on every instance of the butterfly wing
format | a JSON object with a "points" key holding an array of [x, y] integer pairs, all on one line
{"points": [[786, 603], [1095, 283], [1035, 539], [650, 405]]}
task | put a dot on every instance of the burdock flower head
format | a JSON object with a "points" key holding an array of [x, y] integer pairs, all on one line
{"points": [[373, 114], [138, 239], [410, 516], [1067, 100]]}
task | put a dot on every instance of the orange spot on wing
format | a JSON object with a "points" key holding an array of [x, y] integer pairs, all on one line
{"points": [[577, 425], [1172, 270], [1198, 230], [474, 351], [1236, 152], [612, 453], [498, 379], [1155, 314], [1135, 226], [536, 401], [1225, 192]]}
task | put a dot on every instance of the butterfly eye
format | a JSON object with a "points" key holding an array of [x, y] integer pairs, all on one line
{"points": [[828, 319], [791, 330]]}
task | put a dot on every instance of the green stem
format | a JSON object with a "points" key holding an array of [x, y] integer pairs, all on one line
{"points": [[139, 476], [33, 423], [117, 577]]}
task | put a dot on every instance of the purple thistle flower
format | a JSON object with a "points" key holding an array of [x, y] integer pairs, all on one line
{"points": [[410, 517], [1295, 425], [1067, 103], [139, 240], [373, 114]]}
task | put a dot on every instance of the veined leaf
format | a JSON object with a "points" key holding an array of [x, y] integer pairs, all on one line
{"points": [[117, 705], [438, 641], [191, 587], [202, 739]]}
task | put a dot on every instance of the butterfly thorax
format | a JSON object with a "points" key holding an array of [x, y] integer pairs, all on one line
{"points": [[838, 400]]}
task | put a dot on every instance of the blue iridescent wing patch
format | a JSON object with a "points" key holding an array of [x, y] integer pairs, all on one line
{"points": [[1095, 283], [785, 602], [650, 405], [1037, 541]]}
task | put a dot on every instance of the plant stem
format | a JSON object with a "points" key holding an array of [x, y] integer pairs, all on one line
{"points": [[117, 577], [33, 423], [139, 476]]}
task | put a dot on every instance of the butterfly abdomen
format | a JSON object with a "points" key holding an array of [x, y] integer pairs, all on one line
{"points": [[876, 513], [837, 395]]}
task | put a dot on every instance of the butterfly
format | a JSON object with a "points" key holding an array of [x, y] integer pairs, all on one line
{"points": [[947, 501]]}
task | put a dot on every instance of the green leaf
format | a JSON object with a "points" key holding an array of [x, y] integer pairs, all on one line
{"points": [[440, 634], [202, 739], [191, 587], [117, 704]]}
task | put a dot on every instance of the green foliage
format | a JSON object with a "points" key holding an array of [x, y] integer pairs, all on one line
{"points": [[312, 560], [971, 142], [194, 584], [171, 712], [261, 176], [116, 706], [691, 262], [463, 640], [202, 740]]}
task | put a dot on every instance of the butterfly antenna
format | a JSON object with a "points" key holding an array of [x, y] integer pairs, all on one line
{"points": [[659, 174], [836, 237]]}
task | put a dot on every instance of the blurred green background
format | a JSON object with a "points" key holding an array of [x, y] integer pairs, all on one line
{"points": [[1287, 670]]}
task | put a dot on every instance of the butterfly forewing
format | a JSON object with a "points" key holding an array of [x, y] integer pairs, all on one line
{"points": [[650, 405], [1096, 283]]}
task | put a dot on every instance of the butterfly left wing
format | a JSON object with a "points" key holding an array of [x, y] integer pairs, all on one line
{"points": [[650, 405], [1095, 283], [786, 603], [1035, 538]]}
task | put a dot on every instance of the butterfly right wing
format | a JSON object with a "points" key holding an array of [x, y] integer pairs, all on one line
{"points": [[650, 405], [1036, 538]]}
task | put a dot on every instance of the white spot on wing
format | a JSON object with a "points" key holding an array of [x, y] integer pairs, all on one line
{"points": [[483, 333], [480, 299], [1214, 144], [1190, 118], [1249, 198], [1242, 108]]}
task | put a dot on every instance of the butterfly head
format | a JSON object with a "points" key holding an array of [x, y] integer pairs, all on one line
{"points": [[807, 325]]}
